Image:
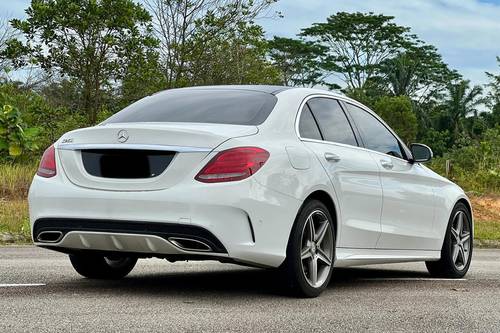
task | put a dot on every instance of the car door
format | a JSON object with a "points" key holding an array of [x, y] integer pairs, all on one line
{"points": [[408, 206], [325, 129]]}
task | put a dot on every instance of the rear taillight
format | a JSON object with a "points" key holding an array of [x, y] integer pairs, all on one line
{"points": [[47, 166], [233, 164]]}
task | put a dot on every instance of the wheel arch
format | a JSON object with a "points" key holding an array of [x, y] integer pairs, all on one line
{"points": [[327, 200], [324, 197], [466, 203]]}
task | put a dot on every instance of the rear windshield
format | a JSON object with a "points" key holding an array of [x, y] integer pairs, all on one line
{"points": [[238, 107]]}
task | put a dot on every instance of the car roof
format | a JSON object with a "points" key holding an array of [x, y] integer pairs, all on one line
{"points": [[270, 89]]}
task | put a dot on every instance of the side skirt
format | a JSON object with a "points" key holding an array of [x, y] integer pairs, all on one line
{"points": [[346, 257]]}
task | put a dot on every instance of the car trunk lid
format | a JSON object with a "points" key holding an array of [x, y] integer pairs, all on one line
{"points": [[140, 157]]}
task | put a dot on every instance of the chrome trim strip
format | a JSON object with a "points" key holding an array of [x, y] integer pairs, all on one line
{"points": [[180, 149]]}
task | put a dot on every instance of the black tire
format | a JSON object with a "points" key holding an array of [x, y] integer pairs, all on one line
{"points": [[446, 267], [295, 273], [99, 267]]}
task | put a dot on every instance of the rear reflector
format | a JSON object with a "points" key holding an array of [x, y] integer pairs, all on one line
{"points": [[233, 164], [47, 166]]}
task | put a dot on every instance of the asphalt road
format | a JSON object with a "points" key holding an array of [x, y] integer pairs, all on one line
{"points": [[208, 296]]}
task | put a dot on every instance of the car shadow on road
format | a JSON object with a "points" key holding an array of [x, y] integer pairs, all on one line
{"points": [[231, 283]]}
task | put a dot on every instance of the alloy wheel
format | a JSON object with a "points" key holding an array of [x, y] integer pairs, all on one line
{"points": [[460, 240], [317, 248]]}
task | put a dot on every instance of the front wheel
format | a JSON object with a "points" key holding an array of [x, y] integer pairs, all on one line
{"points": [[100, 267], [456, 253], [311, 250]]}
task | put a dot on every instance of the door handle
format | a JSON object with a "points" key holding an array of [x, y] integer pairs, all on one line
{"points": [[331, 157], [387, 164]]}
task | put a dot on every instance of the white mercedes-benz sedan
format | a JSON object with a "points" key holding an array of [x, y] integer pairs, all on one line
{"points": [[299, 179]]}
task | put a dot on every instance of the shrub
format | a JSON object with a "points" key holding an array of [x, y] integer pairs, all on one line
{"points": [[15, 136], [475, 166], [439, 141]]}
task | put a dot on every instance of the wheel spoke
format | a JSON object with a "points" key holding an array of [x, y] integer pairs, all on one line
{"points": [[460, 223], [455, 253], [455, 234], [321, 232], [323, 257], [465, 237], [312, 232], [305, 253], [466, 255], [313, 270], [462, 254]]}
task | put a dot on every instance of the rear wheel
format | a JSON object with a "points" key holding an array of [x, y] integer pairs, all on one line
{"points": [[100, 267], [456, 253], [311, 250]]}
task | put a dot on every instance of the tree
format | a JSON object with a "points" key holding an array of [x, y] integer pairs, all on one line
{"points": [[439, 141], [178, 22], [418, 72], [237, 56], [142, 77], [298, 61], [493, 98], [89, 42], [6, 34], [357, 44], [397, 112], [461, 101]]}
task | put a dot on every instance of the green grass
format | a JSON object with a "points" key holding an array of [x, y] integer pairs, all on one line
{"points": [[487, 230], [14, 218], [16, 180]]}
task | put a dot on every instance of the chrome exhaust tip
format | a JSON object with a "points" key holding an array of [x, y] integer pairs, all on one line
{"points": [[49, 236], [189, 244]]}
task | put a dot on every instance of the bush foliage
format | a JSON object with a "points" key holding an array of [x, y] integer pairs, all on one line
{"points": [[475, 166]]}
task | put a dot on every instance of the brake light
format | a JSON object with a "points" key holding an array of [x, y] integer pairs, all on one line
{"points": [[233, 164], [47, 166]]}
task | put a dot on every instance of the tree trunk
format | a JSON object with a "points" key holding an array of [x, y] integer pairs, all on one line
{"points": [[88, 105]]}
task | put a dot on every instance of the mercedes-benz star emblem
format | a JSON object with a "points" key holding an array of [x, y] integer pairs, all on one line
{"points": [[122, 136]]}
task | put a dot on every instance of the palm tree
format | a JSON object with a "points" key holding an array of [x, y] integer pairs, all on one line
{"points": [[462, 101]]}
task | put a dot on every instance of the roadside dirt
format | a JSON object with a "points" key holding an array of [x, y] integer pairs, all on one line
{"points": [[486, 207]]}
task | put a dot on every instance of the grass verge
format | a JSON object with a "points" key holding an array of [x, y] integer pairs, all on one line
{"points": [[16, 180], [14, 221]]}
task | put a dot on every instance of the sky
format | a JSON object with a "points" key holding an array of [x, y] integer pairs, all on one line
{"points": [[466, 32]]}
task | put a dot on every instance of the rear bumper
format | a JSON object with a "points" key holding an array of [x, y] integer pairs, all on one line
{"points": [[241, 221], [108, 235]]}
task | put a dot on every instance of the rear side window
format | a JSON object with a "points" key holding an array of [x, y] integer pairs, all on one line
{"points": [[374, 134], [308, 129], [332, 121], [219, 106]]}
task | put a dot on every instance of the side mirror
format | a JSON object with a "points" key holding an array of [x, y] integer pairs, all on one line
{"points": [[421, 153]]}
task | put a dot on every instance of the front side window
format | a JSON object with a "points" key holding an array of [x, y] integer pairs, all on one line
{"points": [[218, 106], [332, 120], [374, 134]]}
